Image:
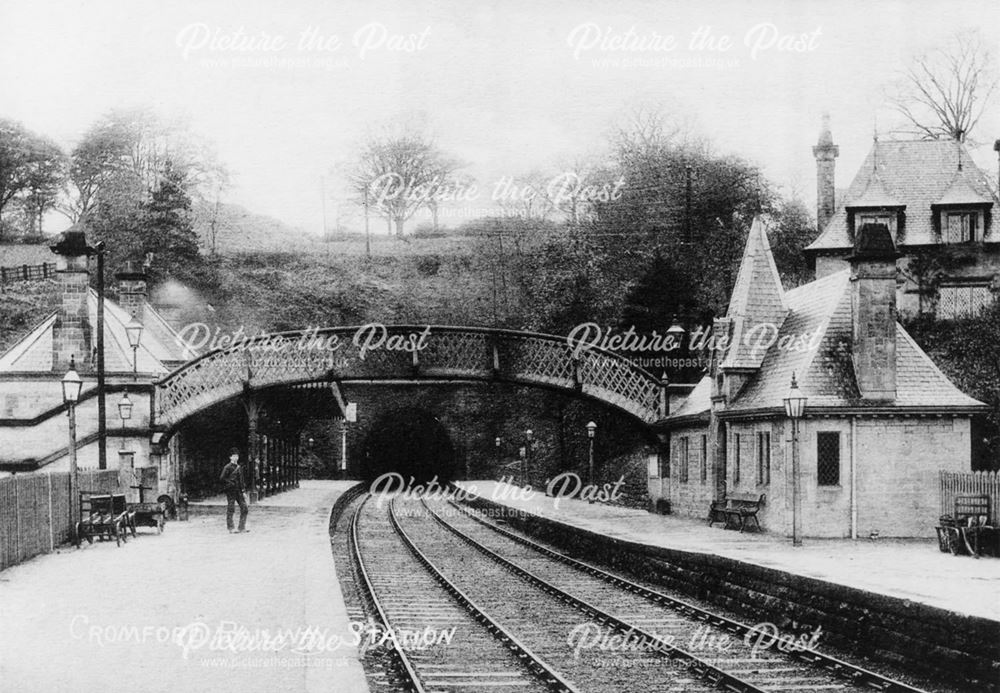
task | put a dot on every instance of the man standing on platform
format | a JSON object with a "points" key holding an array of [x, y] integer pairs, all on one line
{"points": [[232, 479]]}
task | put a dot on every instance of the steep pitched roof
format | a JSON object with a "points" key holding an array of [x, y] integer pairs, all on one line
{"points": [[757, 298], [961, 193], [819, 322], [875, 195], [698, 402], [821, 315], [160, 349], [916, 174]]}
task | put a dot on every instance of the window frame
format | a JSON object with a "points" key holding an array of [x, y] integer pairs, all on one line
{"points": [[684, 454], [892, 216], [737, 444], [763, 458], [704, 458], [819, 463], [975, 306], [972, 230]]}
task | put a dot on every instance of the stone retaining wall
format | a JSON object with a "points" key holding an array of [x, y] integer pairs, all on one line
{"points": [[960, 650]]}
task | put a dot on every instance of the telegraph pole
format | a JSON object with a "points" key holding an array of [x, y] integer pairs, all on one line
{"points": [[102, 424], [368, 236]]}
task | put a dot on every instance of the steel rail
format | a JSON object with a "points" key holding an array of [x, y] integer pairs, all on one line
{"points": [[696, 665], [413, 680], [535, 664], [840, 668]]}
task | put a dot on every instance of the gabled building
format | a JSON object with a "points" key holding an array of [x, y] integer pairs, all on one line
{"points": [[33, 426], [881, 419], [939, 209]]}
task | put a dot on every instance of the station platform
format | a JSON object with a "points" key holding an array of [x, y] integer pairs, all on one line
{"points": [[195, 609], [913, 570]]}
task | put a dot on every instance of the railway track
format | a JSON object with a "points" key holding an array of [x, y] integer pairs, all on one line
{"points": [[525, 617], [441, 639], [626, 658], [720, 642]]}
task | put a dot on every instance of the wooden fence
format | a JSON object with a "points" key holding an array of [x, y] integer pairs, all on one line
{"points": [[24, 273], [970, 484], [34, 511]]}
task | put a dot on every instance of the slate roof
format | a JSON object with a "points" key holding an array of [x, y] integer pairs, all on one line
{"points": [[160, 349], [814, 342], [960, 192], [757, 298], [826, 373], [914, 173], [698, 402]]}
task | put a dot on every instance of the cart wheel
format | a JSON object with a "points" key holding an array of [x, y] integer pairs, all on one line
{"points": [[168, 506], [955, 541]]}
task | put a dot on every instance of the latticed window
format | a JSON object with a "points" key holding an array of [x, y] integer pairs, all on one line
{"points": [[764, 458], [828, 458], [962, 301], [736, 458], [704, 459], [683, 460], [961, 227]]}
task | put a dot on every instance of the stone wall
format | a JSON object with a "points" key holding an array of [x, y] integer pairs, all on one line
{"points": [[960, 650], [897, 462], [476, 414]]}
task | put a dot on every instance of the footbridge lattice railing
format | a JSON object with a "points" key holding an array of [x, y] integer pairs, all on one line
{"points": [[407, 353]]}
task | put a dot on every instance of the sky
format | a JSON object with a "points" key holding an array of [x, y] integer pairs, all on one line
{"points": [[288, 90]]}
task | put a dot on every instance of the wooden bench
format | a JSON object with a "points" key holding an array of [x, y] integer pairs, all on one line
{"points": [[970, 529], [103, 516], [717, 511], [736, 510]]}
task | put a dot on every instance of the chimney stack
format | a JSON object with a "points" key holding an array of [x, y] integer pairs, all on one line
{"points": [[873, 312], [132, 290], [826, 153], [71, 333], [996, 148]]}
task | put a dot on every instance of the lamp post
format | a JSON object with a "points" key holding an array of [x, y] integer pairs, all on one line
{"points": [[526, 459], [133, 330], [497, 442], [676, 331], [591, 430], [795, 407], [124, 413], [71, 386]]}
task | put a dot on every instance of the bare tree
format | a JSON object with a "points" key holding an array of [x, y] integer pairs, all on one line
{"points": [[399, 172], [944, 91], [526, 197], [124, 154]]}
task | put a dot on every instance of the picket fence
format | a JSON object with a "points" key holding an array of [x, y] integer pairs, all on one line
{"points": [[970, 484]]}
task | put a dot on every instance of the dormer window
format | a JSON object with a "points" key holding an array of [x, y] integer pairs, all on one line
{"points": [[884, 218], [966, 223], [891, 217], [961, 227]]}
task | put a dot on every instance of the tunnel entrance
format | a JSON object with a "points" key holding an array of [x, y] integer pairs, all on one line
{"points": [[410, 442]]}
